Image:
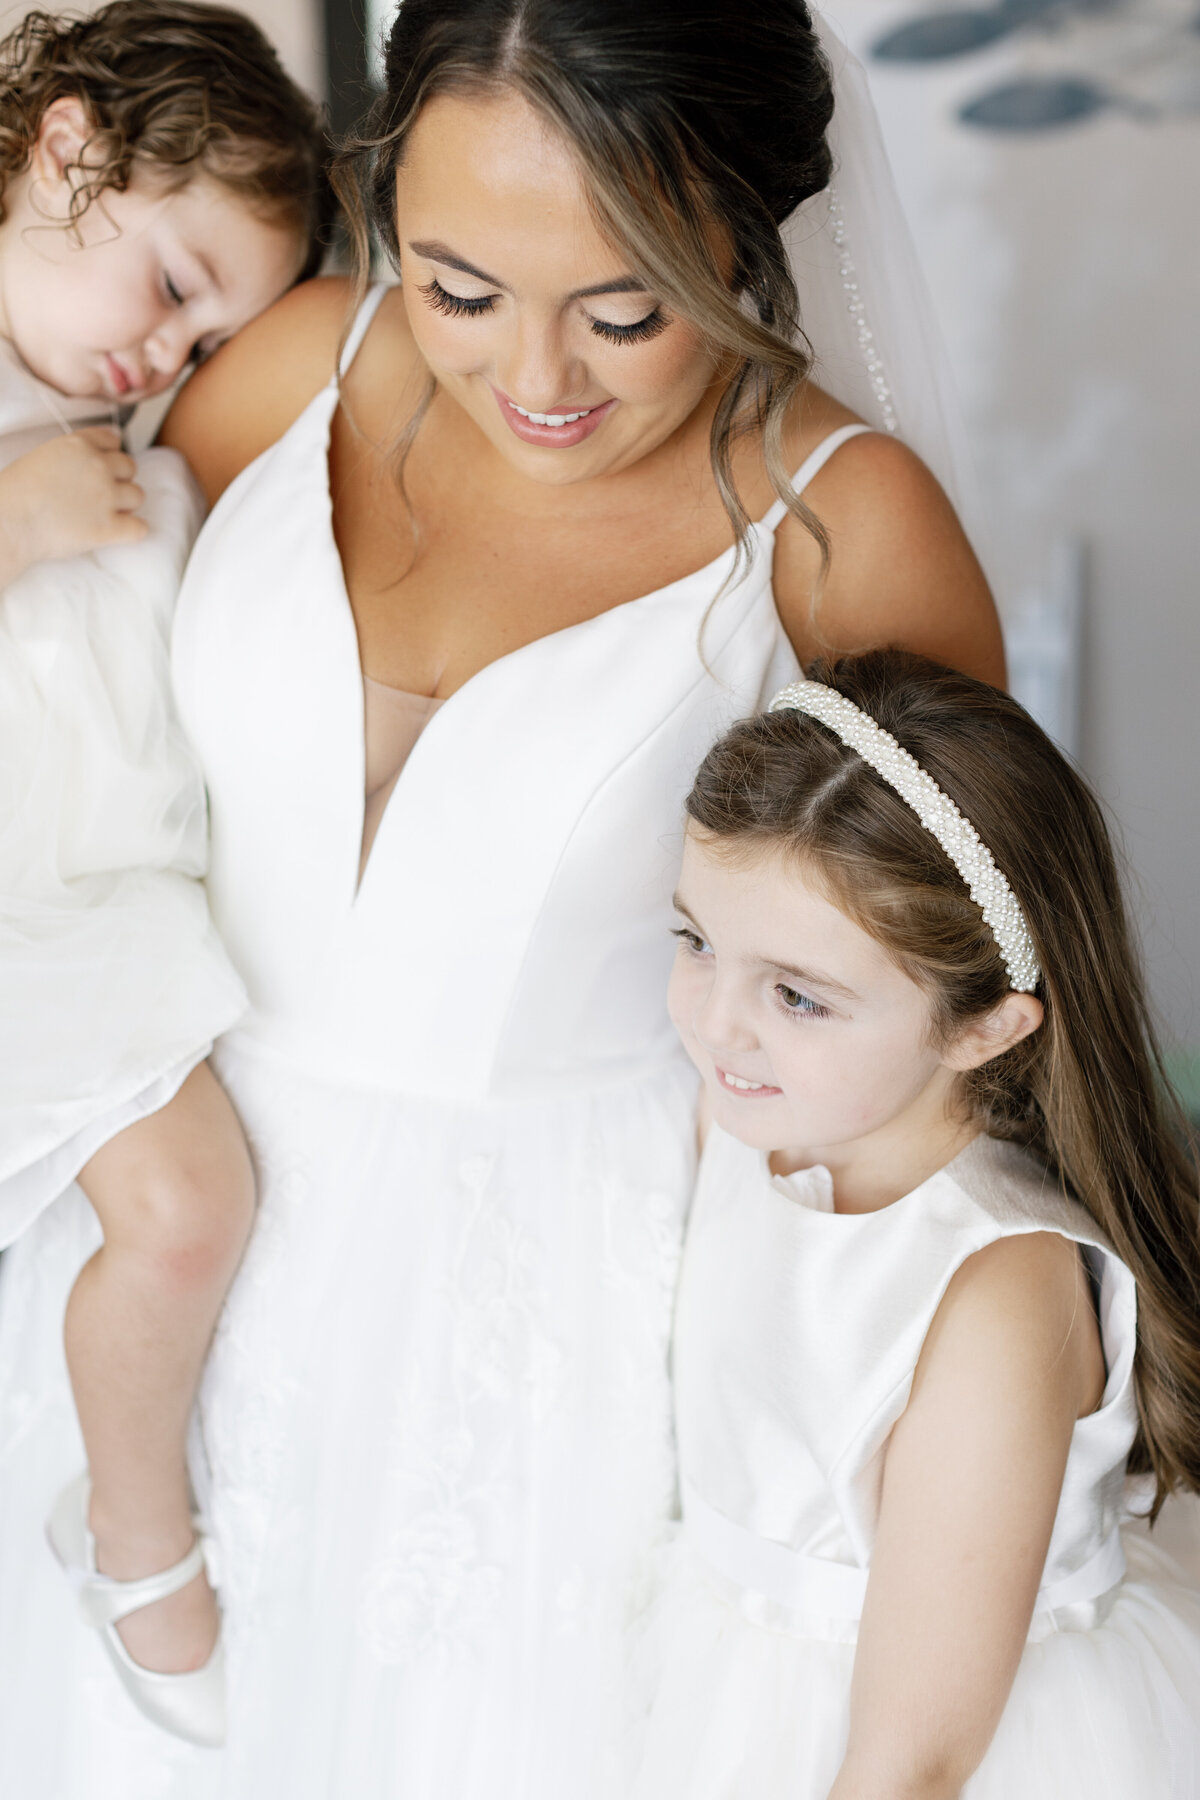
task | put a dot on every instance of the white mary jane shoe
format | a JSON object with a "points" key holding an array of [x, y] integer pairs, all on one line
{"points": [[190, 1705]]}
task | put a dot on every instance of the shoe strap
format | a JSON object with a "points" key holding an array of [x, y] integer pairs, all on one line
{"points": [[103, 1600]]}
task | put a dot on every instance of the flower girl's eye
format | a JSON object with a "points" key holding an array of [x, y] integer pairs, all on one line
{"points": [[691, 940], [796, 1002]]}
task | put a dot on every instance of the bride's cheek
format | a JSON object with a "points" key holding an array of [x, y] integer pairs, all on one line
{"points": [[446, 345], [675, 364], [457, 344]]}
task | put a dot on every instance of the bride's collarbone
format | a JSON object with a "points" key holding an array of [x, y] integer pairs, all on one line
{"points": [[465, 578], [452, 570], [430, 622]]}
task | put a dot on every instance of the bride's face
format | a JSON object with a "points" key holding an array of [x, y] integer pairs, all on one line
{"points": [[525, 313]]}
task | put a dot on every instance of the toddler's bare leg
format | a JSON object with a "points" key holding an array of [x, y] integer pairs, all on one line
{"points": [[175, 1197]]}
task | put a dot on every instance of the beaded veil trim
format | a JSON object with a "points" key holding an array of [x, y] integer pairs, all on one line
{"points": [[856, 307], [937, 813]]}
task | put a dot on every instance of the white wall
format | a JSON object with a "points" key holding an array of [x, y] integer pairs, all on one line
{"points": [[1066, 272]]}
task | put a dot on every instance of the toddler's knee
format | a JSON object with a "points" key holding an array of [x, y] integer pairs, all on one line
{"points": [[191, 1224]]}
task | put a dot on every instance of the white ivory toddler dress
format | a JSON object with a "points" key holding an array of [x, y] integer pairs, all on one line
{"points": [[113, 983], [435, 1433], [797, 1335]]}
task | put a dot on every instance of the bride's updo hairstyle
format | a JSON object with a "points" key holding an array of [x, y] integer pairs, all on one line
{"points": [[681, 117], [1086, 1091]]}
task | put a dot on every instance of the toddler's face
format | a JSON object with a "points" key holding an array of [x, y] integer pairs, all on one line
{"points": [[151, 280], [809, 1037]]}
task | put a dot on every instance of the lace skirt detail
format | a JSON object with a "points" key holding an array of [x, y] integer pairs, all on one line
{"points": [[433, 1444]]}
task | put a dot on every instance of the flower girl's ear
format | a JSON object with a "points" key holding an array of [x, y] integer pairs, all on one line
{"points": [[997, 1031]]}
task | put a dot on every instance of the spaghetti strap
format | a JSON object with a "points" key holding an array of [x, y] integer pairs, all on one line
{"points": [[361, 325], [811, 465]]}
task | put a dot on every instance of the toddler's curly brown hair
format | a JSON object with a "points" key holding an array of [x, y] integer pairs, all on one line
{"points": [[171, 89]]}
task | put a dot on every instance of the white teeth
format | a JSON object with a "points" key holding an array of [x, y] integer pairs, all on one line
{"points": [[550, 418], [735, 1081]]}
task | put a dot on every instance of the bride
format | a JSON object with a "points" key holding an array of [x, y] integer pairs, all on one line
{"points": [[494, 554]]}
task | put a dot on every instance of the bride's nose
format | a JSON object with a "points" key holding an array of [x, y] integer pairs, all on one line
{"points": [[539, 372]]}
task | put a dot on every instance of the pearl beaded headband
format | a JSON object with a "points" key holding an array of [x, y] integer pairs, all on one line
{"points": [[937, 813]]}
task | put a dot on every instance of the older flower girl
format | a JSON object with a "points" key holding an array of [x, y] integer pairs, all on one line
{"points": [[941, 1292]]}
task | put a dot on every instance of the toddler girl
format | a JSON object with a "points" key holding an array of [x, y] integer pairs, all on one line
{"points": [[161, 182], [941, 1291]]}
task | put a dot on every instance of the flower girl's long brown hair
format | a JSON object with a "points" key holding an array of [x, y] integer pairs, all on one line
{"points": [[1087, 1091]]}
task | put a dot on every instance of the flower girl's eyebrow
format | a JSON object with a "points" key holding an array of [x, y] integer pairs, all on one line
{"points": [[810, 978], [805, 977]]}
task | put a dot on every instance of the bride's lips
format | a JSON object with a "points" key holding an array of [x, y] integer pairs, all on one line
{"points": [[751, 1091], [553, 437]]}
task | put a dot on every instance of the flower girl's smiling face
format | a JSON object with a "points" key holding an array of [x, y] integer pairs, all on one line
{"points": [[810, 1039]]}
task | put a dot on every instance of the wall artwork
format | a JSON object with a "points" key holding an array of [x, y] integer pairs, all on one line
{"points": [[1068, 61]]}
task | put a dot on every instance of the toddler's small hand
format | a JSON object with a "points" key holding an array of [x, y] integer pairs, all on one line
{"points": [[72, 494]]}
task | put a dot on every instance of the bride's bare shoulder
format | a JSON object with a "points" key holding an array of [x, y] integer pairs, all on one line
{"points": [[901, 570], [259, 383]]}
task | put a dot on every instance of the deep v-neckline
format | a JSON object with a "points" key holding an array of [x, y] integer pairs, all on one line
{"points": [[717, 575], [761, 531], [522, 873]]}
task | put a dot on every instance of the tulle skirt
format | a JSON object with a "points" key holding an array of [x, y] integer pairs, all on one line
{"points": [[112, 979], [434, 1445], [726, 1708]]}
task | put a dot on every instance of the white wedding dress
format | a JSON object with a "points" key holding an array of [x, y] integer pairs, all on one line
{"points": [[434, 1435]]}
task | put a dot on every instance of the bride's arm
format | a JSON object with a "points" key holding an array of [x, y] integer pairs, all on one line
{"points": [[256, 386], [901, 572]]}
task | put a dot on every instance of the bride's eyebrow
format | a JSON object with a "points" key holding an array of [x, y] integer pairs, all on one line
{"points": [[442, 253]]}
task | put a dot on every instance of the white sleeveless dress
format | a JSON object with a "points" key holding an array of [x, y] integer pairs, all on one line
{"points": [[797, 1334], [435, 1436], [112, 980]]}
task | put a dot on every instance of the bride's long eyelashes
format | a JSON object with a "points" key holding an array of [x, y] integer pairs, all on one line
{"points": [[638, 333], [455, 306]]}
